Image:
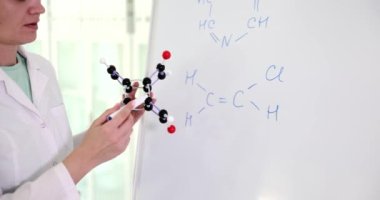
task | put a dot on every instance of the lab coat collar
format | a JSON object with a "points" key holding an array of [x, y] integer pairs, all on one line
{"points": [[38, 82]]}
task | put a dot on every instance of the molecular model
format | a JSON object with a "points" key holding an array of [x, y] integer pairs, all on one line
{"points": [[147, 83]]}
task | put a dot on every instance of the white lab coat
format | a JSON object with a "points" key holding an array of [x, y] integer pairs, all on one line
{"points": [[34, 137]]}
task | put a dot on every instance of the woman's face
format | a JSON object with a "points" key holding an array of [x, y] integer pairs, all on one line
{"points": [[18, 21]]}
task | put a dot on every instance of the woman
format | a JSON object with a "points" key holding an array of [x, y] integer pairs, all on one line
{"points": [[37, 159]]}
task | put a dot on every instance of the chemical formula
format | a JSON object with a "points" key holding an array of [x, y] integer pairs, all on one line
{"points": [[273, 73], [209, 23]]}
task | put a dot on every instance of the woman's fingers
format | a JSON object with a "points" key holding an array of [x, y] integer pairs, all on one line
{"points": [[121, 116], [127, 126], [133, 93], [103, 118], [137, 115]]}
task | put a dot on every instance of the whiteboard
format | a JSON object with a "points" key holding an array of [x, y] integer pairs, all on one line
{"points": [[272, 99]]}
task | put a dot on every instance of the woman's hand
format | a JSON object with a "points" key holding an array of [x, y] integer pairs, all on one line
{"points": [[104, 140]]}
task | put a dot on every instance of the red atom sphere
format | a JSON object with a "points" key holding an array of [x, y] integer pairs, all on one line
{"points": [[166, 54], [171, 129]]}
